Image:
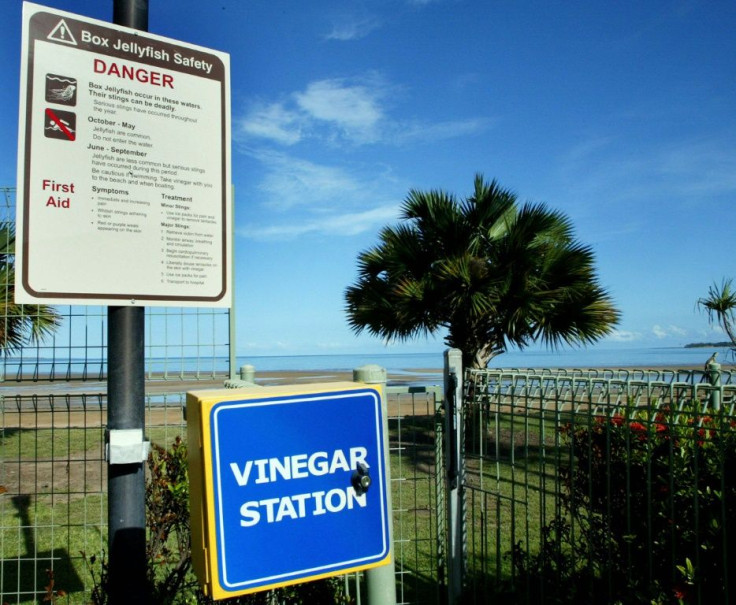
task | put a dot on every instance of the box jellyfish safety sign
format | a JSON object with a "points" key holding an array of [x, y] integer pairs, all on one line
{"points": [[123, 166], [287, 484]]}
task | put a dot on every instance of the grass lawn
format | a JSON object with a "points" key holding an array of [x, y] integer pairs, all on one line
{"points": [[55, 505], [513, 490], [54, 508]]}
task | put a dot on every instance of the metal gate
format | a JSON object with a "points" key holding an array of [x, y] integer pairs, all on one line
{"points": [[578, 486]]}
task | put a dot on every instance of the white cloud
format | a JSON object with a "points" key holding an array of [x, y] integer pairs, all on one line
{"points": [[354, 109], [292, 182], [439, 131], [342, 110], [624, 336], [697, 168], [352, 223], [353, 28], [713, 330], [659, 332], [685, 168], [677, 331], [342, 224], [273, 122], [668, 332], [303, 197]]}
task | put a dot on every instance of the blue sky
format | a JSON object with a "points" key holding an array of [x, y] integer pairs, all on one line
{"points": [[620, 114]]}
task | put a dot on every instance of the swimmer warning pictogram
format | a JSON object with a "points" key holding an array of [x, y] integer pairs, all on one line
{"points": [[60, 125]]}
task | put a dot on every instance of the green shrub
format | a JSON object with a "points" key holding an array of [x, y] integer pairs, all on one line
{"points": [[648, 511], [169, 575]]}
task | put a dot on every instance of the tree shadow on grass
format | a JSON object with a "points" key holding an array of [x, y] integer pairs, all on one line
{"points": [[26, 574], [415, 587]]}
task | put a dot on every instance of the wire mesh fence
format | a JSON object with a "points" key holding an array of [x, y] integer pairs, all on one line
{"points": [[417, 477], [53, 514], [54, 477], [181, 343], [53, 472], [600, 486]]}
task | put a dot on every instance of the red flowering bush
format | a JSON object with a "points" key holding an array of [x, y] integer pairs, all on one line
{"points": [[648, 511]]}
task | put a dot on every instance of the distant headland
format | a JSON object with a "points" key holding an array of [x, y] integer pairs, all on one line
{"points": [[706, 345]]}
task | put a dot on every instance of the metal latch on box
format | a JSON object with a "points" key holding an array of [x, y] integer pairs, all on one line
{"points": [[126, 446]]}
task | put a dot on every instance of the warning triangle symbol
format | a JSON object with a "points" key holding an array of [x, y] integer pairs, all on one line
{"points": [[62, 33]]}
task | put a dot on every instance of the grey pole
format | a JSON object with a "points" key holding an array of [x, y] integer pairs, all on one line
{"points": [[131, 13], [454, 436], [231, 311], [714, 376], [126, 415], [126, 489], [381, 581]]}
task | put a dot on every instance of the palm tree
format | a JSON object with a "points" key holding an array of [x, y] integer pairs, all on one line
{"points": [[720, 306], [488, 271], [19, 323]]}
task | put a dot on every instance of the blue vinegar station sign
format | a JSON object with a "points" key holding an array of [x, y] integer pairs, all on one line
{"points": [[288, 484]]}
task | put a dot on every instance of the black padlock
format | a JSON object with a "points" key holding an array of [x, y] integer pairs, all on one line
{"points": [[361, 479]]}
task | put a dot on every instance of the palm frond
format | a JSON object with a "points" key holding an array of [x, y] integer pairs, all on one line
{"points": [[19, 324], [491, 272], [720, 307]]}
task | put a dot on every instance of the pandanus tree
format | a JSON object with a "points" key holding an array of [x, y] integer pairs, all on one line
{"points": [[486, 271], [720, 307], [19, 323]]}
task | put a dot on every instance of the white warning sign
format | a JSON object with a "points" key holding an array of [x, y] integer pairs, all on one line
{"points": [[117, 203]]}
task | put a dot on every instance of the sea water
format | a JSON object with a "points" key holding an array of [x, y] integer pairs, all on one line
{"points": [[569, 358], [430, 362]]}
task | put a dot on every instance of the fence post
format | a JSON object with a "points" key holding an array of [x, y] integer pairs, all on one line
{"points": [[247, 378], [714, 376], [381, 581], [454, 464], [248, 373]]}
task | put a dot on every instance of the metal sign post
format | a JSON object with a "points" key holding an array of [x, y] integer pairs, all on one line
{"points": [[126, 486], [126, 490]]}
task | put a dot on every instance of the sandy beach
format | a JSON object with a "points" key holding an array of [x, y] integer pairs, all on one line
{"points": [[78, 389], [82, 403], [175, 384]]}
